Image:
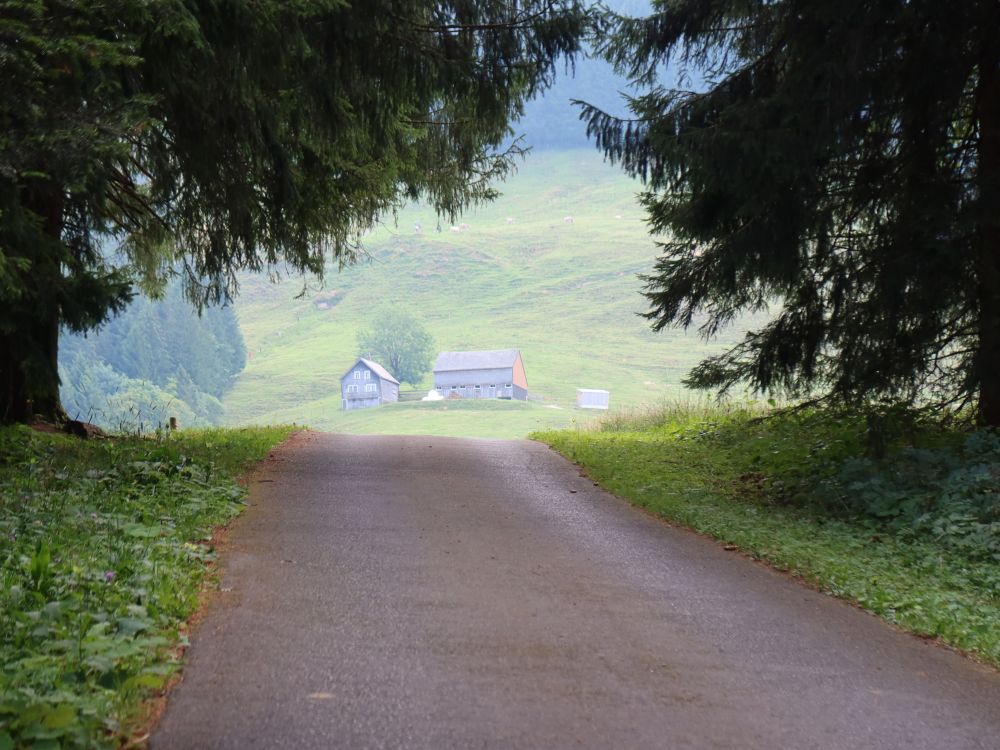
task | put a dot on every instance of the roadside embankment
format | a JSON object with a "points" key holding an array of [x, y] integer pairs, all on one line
{"points": [[104, 548], [913, 536]]}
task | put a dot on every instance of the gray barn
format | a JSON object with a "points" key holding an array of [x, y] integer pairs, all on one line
{"points": [[367, 384], [486, 374]]}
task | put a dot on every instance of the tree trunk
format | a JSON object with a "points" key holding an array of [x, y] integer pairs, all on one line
{"points": [[988, 261], [16, 405], [29, 383], [29, 356], [45, 389]]}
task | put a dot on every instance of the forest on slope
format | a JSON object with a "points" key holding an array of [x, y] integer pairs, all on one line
{"points": [[159, 358]]}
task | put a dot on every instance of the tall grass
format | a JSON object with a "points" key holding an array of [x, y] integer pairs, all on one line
{"points": [[680, 414]]}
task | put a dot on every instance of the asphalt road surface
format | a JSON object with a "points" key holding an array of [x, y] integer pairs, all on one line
{"points": [[386, 592]]}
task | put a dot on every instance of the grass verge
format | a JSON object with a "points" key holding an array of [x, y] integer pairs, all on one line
{"points": [[104, 547], [479, 418], [913, 537]]}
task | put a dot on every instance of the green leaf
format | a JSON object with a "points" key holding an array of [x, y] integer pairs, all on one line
{"points": [[147, 680], [6, 741], [142, 531], [131, 626], [60, 717], [100, 664]]}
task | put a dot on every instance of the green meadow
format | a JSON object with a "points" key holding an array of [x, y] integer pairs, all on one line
{"points": [[551, 268]]}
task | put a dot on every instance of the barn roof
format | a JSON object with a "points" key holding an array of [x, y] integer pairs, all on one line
{"points": [[486, 360], [374, 367]]}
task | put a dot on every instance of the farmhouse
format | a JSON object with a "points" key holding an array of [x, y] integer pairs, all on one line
{"points": [[367, 384], [487, 374]]}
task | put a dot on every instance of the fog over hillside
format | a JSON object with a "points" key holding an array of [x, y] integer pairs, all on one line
{"points": [[551, 122]]}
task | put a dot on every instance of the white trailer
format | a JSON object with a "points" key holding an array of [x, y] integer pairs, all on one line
{"points": [[592, 398]]}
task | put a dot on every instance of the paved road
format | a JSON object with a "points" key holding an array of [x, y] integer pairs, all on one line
{"points": [[437, 593]]}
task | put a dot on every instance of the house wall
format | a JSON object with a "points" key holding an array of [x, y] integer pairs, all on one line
{"points": [[360, 403], [500, 377], [518, 376], [472, 377], [444, 381], [385, 390], [388, 391]]}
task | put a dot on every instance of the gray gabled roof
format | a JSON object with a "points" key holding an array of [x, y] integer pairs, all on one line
{"points": [[380, 371], [488, 360], [374, 367]]}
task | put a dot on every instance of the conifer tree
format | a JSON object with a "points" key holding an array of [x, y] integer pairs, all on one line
{"points": [[235, 135], [838, 159]]}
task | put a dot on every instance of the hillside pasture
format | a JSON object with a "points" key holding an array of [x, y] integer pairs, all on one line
{"points": [[566, 293]]}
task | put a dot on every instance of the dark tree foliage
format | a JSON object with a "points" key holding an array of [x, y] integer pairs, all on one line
{"points": [[233, 135], [839, 159], [63, 114]]}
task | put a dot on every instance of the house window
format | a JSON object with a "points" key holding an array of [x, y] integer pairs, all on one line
{"points": [[368, 375], [507, 386], [454, 387], [352, 389], [357, 374], [371, 387], [479, 388]]}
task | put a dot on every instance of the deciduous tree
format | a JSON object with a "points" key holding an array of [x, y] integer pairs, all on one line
{"points": [[399, 342]]}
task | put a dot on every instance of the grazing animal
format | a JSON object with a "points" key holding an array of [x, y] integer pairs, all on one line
{"points": [[567, 220]]}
